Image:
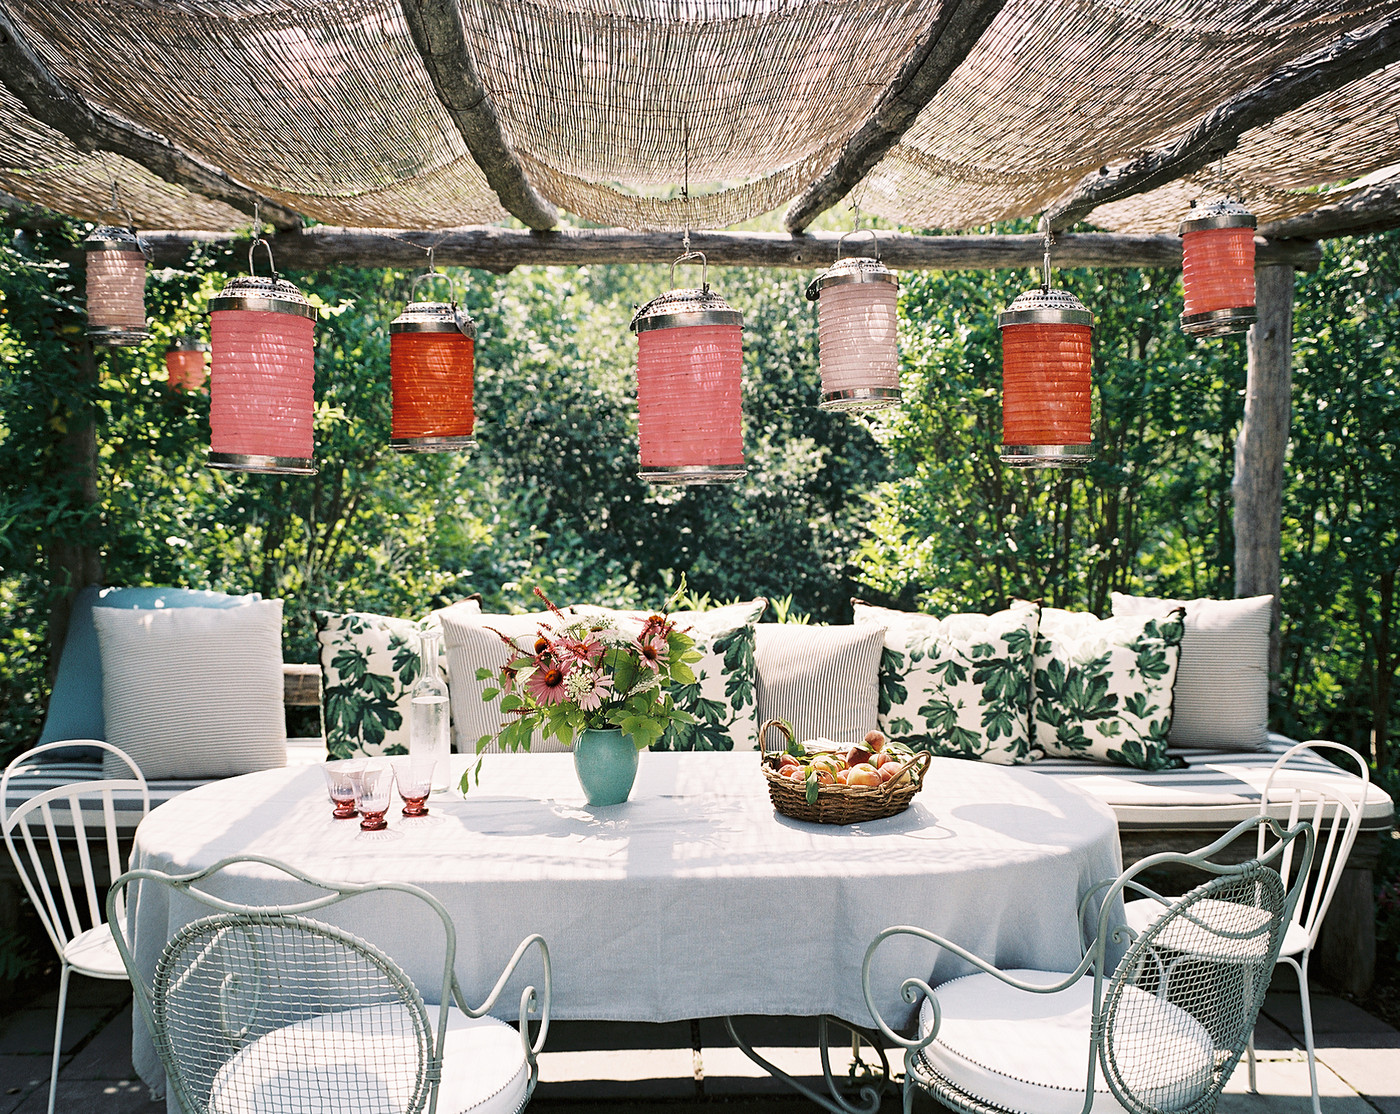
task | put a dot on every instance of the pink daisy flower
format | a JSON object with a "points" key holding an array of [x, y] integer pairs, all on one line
{"points": [[654, 649], [546, 684], [586, 651], [588, 689]]}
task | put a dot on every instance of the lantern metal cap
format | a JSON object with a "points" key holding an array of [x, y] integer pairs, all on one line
{"points": [[678, 308], [1218, 214], [114, 336], [1044, 306], [113, 237], [1219, 322], [855, 268], [274, 465], [263, 295], [1047, 456], [188, 344], [432, 444], [694, 474], [434, 317], [859, 399]]}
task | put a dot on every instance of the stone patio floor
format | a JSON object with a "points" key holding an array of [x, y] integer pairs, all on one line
{"points": [[599, 1067]]}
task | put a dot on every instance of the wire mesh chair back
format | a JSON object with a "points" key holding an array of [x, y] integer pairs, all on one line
{"points": [[1178, 1011], [1294, 791], [66, 826], [263, 1009]]}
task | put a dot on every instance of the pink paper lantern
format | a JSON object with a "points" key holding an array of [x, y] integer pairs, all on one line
{"points": [[690, 364], [187, 365], [1047, 392], [1217, 270], [262, 376], [431, 361], [116, 287], [857, 334]]}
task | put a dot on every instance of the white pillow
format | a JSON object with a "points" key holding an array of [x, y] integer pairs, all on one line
{"points": [[193, 692], [1221, 698], [822, 680]]}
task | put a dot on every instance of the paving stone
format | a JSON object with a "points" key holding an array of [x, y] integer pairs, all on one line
{"points": [[19, 1077], [1330, 1014], [31, 1031], [86, 993], [1284, 1088], [82, 1096], [1374, 1072], [109, 1054]]}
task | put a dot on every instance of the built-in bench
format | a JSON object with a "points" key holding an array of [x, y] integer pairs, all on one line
{"points": [[1169, 810]]}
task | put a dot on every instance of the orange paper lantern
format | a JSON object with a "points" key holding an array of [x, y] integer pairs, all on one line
{"points": [[116, 287], [187, 365], [1217, 270], [857, 332], [262, 375], [690, 364], [1047, 392], [431, 351]]}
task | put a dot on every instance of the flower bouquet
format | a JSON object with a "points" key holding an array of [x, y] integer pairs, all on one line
{"points": [[585, 674]]}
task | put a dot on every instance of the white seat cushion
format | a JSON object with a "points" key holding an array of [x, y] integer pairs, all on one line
{"points": [[311, 1066], [94, 953], [1030, 1052], [1192, 932]]}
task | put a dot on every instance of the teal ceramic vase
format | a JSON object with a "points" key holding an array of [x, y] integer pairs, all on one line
{"points": [[606, 763]]}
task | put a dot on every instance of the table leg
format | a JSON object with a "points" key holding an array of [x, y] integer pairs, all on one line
{"points": [[837, 1103]]}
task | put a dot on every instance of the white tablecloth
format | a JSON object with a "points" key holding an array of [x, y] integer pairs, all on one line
{"points": [[693, 899]]}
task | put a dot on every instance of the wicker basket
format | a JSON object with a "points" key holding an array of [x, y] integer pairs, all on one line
{"points": [[838, 804]]}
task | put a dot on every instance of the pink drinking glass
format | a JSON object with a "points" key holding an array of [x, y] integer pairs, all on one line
{"points": [[341, 776], [376, 783], [414, 777]]}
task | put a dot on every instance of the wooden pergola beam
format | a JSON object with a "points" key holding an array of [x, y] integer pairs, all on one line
{"points": [[1373, 209], [1288, 87], [91, 128], [938, 52], [500, 249], [441, 40]]}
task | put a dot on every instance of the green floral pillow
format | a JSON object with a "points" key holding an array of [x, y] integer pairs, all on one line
{"points": [[723, 698], [1103, 687], [958, 686], [369, 664]]}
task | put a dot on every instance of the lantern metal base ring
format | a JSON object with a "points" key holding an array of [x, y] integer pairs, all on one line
{"points": [[861, 398], [432, 444], [1219, 322], [694, 474], [1047, 456], [274, 465], [114, 335]]}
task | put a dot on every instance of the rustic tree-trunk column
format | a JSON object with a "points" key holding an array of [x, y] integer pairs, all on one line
{"points": [[1261, 445]]}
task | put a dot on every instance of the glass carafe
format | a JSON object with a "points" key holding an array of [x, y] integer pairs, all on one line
{"points": [[428, 734]]}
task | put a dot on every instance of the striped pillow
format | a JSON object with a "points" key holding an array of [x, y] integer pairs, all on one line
{"points": [[1221, 699], [193, 692], [822, 680]]}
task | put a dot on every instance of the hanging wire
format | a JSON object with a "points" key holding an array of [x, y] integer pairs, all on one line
{"points": [[1049, 240], [259, 239], [685, 184]]}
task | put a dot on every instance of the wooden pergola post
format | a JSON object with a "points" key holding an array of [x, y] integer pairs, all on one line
{"points": [[1262, 444]]}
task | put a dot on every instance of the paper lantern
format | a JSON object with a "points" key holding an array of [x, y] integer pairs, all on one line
{"points": [[1217, 270], [116, 286], [857, 334], [187, 365], [431, 347], [1047, 352], [690, 363], [262, 376]]}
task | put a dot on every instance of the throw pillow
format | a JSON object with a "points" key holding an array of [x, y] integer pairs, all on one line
{"points": [[822, 680], [75, 704], [959, 686], [1103, 687], [369, 665], [724, 698], [193, 692], [1221, 699], [472, 643]]}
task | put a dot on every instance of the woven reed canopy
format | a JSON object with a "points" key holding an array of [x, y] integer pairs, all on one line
{"points": [[936, 114]]}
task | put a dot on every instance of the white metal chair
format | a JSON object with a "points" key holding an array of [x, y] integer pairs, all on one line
{"points": [[1297, 789], [261, 1009], [46, 836], [1165, 1027]]}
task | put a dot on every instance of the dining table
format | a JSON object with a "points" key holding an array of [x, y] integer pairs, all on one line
{"points": [[694, 898]]}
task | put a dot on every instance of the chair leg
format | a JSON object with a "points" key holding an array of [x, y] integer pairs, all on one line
{"points": [[1249, 1052], [1302, 972], [58, 1033]]}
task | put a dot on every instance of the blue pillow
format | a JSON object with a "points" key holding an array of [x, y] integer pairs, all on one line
{"points": [[75, 706]]}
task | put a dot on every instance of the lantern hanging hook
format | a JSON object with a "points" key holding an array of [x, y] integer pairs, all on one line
{"points": [[117, 209], [259, 239], [1049, 241]]}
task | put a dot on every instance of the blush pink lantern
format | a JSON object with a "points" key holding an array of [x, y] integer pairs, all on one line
{"points": [[262, 377], [857, 331], [431, 364], [187, 365], [116, 287], [690, 366]]}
